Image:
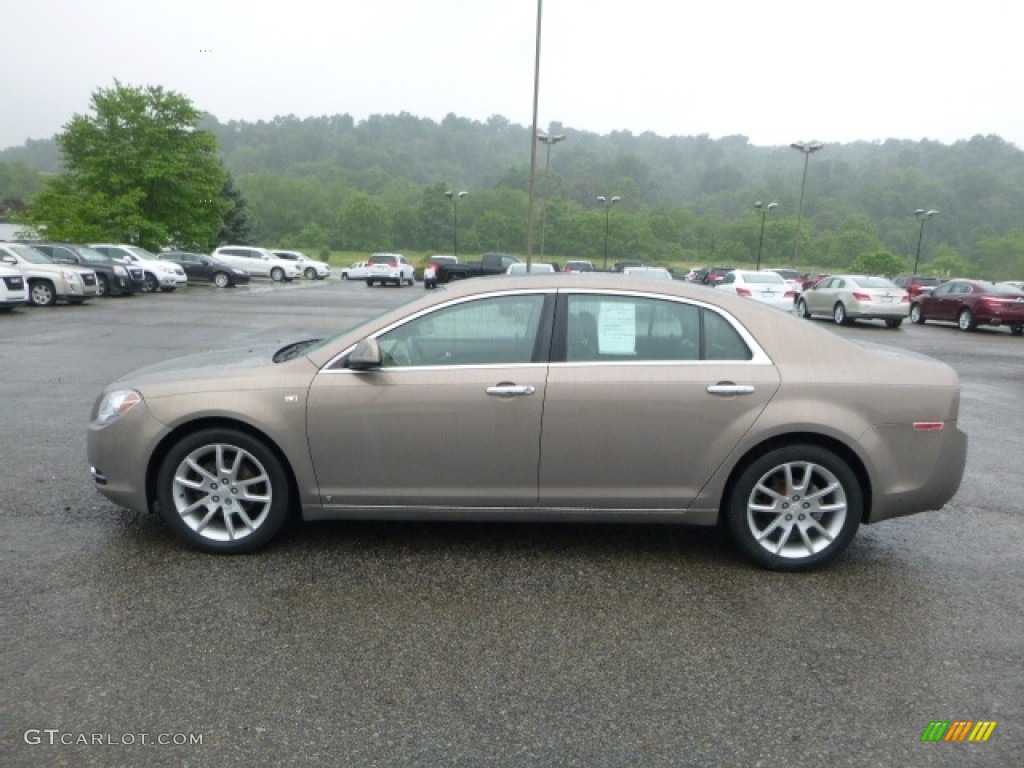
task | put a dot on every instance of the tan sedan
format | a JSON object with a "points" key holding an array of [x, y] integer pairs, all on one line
{"points": [[846, 298], [571, 397]]}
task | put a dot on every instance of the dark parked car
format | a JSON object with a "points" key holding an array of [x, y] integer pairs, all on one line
{"points": [[970, 303], [207, 269], [113, 278]]}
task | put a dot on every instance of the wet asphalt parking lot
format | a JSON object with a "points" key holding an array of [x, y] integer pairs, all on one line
{"points": [[411, 644]]}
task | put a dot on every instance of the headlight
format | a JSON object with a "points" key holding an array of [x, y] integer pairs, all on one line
{"points": [[115, 404], [71, 277], [120, 271]]}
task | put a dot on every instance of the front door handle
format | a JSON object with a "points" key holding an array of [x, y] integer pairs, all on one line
{"points": [[729, 389], [511, 390]]}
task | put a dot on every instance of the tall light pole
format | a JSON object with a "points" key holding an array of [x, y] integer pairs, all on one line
{"points": [[547, 140], [607, 203], [923, 215], [455, 197], [530, 216], [808, 148], [764, 214]]}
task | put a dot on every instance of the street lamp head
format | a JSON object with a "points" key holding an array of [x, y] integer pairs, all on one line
{"points": [[463, 194], [807, 147], [615, 199], [921, 213], [772, 205], [544, 138], [602, 199]]}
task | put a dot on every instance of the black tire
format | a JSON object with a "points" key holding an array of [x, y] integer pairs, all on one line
{"points": [[369, 283], [169, 288], [277, 274], [917, 314], [310, 273], [1017, 330], [893, 322], [150, 284], [786, 527], [965, 320], [221, 279], [802, 311], [839, 314], [102, 285], [344, 275], [208, 509], [41, 293]]}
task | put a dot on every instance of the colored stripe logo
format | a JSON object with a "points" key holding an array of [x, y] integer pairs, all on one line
{"points": [[958, 730]]}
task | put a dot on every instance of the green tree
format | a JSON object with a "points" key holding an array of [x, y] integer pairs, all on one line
{"points": [[878, 263], [136, 170], [238, 223]]}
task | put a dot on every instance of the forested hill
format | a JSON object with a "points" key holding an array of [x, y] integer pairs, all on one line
{"points": [[380, 183]]}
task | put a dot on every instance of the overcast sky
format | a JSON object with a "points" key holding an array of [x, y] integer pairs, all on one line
{"points": [[776, 72]]}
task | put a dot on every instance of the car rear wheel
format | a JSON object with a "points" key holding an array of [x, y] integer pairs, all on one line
{"points": [[802, 311], [221, 280], [966, 320], [893, 322], [277, 274], [223, 491], [839, 314], [41, 293], [150, 283], [916, 314], [795, 508]]}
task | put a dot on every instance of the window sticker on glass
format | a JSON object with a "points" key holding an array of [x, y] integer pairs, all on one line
{"points": [[616, 328]]}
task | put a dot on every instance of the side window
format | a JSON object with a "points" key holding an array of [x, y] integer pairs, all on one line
{"points": [[943, 289], [721, 340], [627, 328], [640, 329], [492, 331]]}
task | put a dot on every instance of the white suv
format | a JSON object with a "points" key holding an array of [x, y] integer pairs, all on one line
{"points": [[259, 262], [158, 274], [49, 282], [311, 268], [391, 268]]}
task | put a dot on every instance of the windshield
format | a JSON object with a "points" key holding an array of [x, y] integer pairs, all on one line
{"points": [[30, 254], [353, 324], [90, 255], [141, 253]]}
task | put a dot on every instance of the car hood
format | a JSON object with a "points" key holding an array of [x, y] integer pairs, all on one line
{"points": [[241, 368]]}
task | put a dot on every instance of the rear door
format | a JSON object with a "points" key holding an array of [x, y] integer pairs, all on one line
{"points": [[646, 396]]}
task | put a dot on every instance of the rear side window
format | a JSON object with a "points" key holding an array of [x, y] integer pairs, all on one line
{"points": [[640, 329]]}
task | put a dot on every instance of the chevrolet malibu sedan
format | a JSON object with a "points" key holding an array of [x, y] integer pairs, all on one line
{"points": [[846, 298], [588, 397]]}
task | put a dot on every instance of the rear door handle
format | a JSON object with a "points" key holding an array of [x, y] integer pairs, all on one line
{"points": [[511, 390], [728, 389]]}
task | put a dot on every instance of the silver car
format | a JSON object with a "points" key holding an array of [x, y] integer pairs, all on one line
{"points": [[846, 298], [602, 398]]}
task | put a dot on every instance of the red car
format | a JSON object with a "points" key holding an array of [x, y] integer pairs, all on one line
{"points": [[917, 284], [970, 303]]}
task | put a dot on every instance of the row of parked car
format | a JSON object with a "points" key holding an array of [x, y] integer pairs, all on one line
{"points": [[846, 298], [42, 273]]}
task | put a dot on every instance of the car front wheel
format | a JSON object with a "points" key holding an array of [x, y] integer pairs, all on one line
{"points": [[41, 294], [1017, 330], [966, 320], [839, 314], [277, 274], [221, 280], [795, 508], [150, 284], [223, 491], [916, 314], [310, 273]]}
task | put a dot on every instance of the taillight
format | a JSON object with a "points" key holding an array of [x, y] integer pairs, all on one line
{"points": [[743, 292], [789, 295], [905, 299], [862, 296]]}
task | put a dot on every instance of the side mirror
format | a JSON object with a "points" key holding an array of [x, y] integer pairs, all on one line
{"points": [[8, 259], [365, 356]]}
